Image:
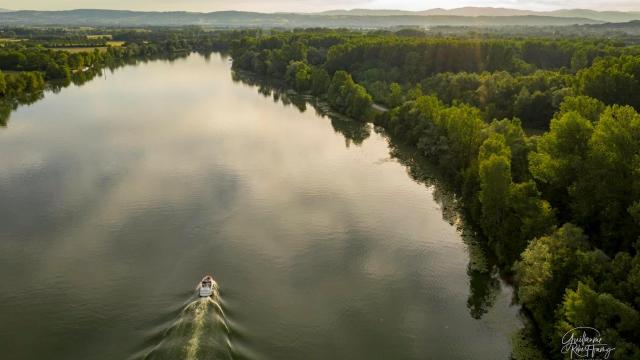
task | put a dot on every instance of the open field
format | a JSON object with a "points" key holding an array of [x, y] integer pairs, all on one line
{"points": [[100, 36], [79, 49], [83, 49]]}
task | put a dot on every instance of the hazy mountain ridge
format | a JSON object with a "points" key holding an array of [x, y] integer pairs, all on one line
{"points": [[463, 11], [605, 16], [99, 17]]}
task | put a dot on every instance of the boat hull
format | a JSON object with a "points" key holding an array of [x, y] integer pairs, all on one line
{"points": [[207, 286]]}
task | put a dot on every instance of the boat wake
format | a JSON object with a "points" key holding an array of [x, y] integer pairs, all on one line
{"points": [[200, 332]]}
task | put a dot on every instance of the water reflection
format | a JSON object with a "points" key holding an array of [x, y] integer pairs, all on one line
{"points": [[354, 132], [79, 78], [7, 106], [121, 194], [484, 280]]}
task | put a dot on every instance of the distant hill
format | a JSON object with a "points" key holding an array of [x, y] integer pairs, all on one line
{"points": [[630, 28], [97, 17], [480, 11], [463, 11], [605, 16], [367, 12]]}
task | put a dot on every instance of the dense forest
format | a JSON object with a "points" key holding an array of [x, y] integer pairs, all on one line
{"points": [[561, 210], [541, 138]]}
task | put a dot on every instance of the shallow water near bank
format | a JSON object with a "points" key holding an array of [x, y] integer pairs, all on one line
{"points": [[117, 196]]}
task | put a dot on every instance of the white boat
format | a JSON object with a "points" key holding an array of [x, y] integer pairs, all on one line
{"points": [[206, 286]]}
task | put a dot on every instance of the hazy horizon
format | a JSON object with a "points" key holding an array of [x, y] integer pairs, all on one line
{"points": [[317, 5]]}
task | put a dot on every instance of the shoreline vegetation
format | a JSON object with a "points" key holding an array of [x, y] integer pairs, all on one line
{"points": [[33, 60], [560, 210], [546, 204]]}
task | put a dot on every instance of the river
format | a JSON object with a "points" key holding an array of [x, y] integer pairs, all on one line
{"points": [[117, 196]]}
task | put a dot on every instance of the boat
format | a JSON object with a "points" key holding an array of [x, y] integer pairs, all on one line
{"points": [[206, 286]]}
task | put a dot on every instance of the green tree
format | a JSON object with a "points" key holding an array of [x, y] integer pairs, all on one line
{"points": [[612, 80], [533, 108], [58, 72], [339, 80], [546, 269], [618, 323], [495, 181], [298, 75], [3, 84], [587, 107], [320, 81], [347, 96], [517, 142], [359, 101], [604, 197], [529, 216], [395, 95], [559, 160], [76, 61]]}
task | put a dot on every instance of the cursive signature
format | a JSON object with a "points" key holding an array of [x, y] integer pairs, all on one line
{"points": [[585, 343]]}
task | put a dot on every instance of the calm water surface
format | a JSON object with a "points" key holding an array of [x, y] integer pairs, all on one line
{"points": [[118, 196]]}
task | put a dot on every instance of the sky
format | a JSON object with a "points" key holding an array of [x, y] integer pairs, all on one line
{"points": [[312, 5]]}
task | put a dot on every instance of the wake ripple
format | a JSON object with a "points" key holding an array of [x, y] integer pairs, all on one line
{"points": [[199, 333]]}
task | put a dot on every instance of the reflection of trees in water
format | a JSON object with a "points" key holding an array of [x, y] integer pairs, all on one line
{"points": [[354, 132], [484, 283], [7, 106], [483, 290], [5, 114], [78, 78]]}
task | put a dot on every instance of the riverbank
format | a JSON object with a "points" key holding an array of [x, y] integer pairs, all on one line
{"points": [[288, 209], [514, 187]]}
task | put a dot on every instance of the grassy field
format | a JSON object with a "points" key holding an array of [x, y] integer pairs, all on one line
{"points": [[103, 36], [107, 37], [79, 49], [82, 49], [9, 40]]}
